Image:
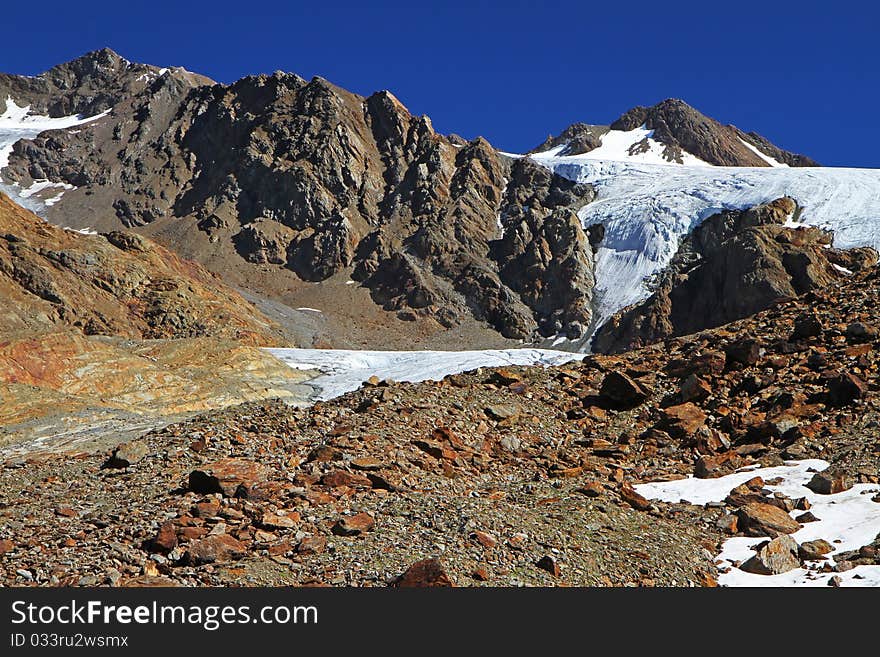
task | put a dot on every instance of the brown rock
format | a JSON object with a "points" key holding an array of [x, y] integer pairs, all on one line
{"points": [[165, 539], [829, 482], [424, 573], [549, 564], [814, 550], [709, 467], [485, 539], [846, 389], [758, 519], [281, 519], [633, 498], [743, 353], [694, 389], [217, 548], [344, 478], [620, 391], [231, 477], [354, 525], [682, 420], [592, 489], [778, 556], [6, 546]]}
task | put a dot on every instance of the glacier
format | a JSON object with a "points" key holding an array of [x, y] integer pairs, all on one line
{"points": [[648, 208], [344, 370]]}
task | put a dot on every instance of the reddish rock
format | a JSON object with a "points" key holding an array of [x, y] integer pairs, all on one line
{"points": [[694, 389], [66, 512], [354, 525], [592, 489], [742, 353], [207, 509], [231, 477], [6, 545], [214, 549], [282, 519], [634, 499], [343, 478], [682, 420], [485, 539], [758, 519], [549, 564], [481, 573], [425, 573], [620, 391], [709, 467], [165, 539]]}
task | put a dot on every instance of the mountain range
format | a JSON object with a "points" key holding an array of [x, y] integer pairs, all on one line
{"points": [[304, 195], [277, 333]]}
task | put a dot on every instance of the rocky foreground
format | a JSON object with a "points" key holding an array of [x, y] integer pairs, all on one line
{"points": [[493, 477]]}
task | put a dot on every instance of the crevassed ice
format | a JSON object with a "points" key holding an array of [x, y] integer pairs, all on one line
{"points": [[647, 209]]}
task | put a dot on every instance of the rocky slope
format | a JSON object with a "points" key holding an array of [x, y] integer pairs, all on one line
{"points": [[105, 334], [680, 130], [116, 284], [498, 477], [733, 265]]}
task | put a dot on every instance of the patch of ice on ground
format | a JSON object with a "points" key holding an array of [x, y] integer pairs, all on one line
{"points": [[345, 370], [847, 520]]}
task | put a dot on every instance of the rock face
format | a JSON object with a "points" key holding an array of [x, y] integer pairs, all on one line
{"points": [[733, 265], [314, 181]]}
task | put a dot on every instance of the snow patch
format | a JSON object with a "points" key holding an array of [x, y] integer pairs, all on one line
{"points": [[16, 122], [847, 520], [636, 145], [345, 370], [769, 160]]}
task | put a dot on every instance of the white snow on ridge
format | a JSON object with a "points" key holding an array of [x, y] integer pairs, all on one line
{"points": [[345, 370], [17, 123], [769, 160], [847, 520], [647, 209], [631, 146]]}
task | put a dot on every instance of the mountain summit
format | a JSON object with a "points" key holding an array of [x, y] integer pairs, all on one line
{"points": [[672, 132]]}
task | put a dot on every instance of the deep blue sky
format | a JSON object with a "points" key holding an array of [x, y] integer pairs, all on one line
{"points": [[807, 77]]}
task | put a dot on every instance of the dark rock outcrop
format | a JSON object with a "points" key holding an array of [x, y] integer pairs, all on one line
{"points": [[733, 265]]}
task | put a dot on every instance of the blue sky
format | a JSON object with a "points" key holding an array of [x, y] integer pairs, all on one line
{"points": [[807, 77]]}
